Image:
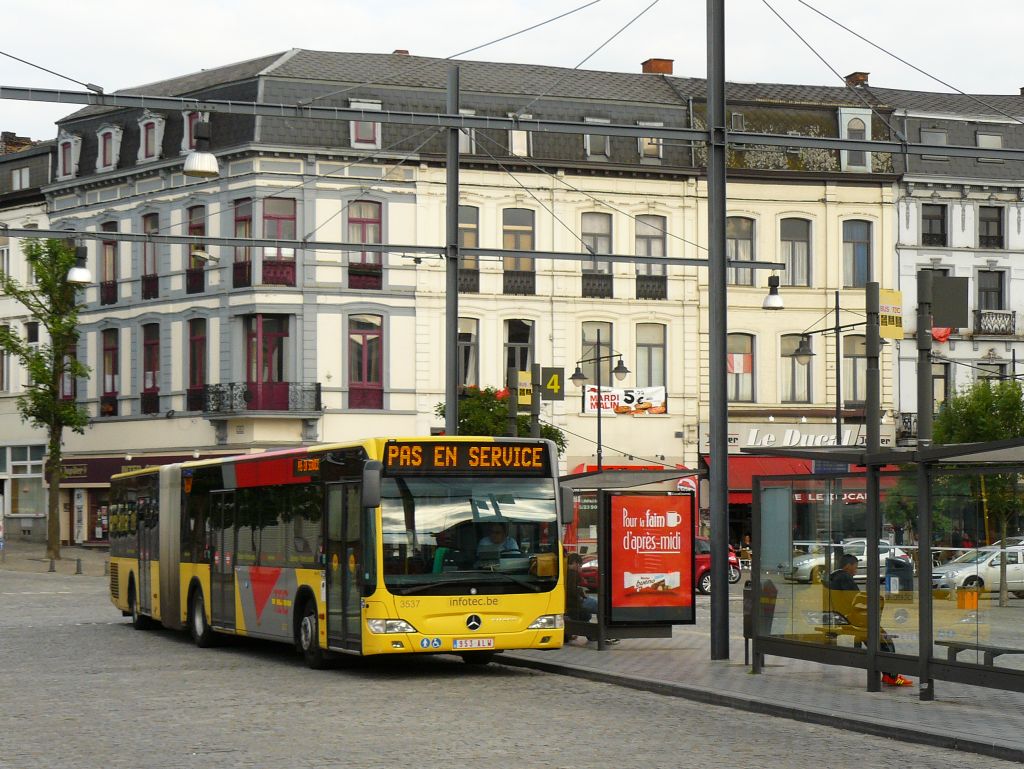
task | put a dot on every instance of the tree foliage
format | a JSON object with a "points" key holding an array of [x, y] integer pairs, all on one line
{"points": [[987, 411], [51, 301], [485, 412]]}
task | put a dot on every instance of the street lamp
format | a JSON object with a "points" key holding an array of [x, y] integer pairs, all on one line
{"points": [[201, 162], [578, 378], [79, 274]]}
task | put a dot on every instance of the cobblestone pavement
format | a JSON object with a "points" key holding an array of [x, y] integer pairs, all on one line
{"points": [[81, 688]]}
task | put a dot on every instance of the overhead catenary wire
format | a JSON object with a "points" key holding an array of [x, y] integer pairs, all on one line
{"points": [[424, 65], [586, 58], [91, 86], [914, 67]]}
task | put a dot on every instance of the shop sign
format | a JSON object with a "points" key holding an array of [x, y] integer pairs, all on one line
{"points": [[848, 497], [637, 401], [651, 548], [746, 435]]}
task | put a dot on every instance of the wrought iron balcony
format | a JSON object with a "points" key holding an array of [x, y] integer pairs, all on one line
{"points": [[995, 322], [241, 274], [195, 280], [597, 285], [519, 282], [108, 292], [150, 402], [238, 397], [651, 287], [933, 239], [469, 281], [150, 286], [279, 272]]}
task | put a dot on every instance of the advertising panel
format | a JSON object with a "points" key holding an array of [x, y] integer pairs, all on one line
{"points": [[651, 559], [637, 401]]}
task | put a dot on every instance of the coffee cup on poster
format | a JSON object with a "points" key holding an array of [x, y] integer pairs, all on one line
{"points": [[673, 518]]}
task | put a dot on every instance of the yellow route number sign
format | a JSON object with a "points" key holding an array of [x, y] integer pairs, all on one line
{"points": [[890, 314], [552, 384]]}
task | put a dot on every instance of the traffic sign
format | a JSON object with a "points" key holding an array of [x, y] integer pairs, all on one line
{"points": [[552, 384]]}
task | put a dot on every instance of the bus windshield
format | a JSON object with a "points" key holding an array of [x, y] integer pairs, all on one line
{"points": [[446, 535]]}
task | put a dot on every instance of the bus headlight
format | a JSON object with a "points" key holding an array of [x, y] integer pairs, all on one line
{"points": [[389, 626], [547, 622]]}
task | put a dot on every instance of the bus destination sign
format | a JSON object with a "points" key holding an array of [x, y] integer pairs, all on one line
{"points": [[306, 466], [466, 457]]}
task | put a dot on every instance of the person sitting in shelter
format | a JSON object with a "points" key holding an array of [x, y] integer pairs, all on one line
{"points": [[855, 611]]}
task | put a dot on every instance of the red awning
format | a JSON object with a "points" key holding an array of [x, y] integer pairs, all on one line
{"points": [[743, 468]]}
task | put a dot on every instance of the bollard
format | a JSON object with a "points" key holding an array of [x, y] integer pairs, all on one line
{"points": [[53, 566], [78, 566], [106, 568]]}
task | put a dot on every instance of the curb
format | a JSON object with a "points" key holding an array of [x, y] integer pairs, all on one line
{"points": [[835, 719]]}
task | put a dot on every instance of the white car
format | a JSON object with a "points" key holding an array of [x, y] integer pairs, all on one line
{"points": [[980, 569], [812, 568]]}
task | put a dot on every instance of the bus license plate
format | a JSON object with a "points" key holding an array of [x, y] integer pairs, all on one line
{"points": [[473, 643]]}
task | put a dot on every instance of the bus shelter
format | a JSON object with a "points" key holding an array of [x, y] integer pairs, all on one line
{"points": [[631, 534], [940, 564]]}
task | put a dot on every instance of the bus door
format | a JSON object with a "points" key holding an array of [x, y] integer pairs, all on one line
{"points": [[222, 566], [344, 561], [147, 528]]}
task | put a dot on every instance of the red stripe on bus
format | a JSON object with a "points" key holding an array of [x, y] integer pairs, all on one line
{"points": [[263, 579]]}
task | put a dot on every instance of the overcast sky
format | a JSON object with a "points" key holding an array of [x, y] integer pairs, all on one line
{"points": [[122, 43]]}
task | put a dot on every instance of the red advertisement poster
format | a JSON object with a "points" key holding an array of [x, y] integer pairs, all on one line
{"points": [[651, 548]]}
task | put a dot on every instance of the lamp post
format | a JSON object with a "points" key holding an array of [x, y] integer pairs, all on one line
{"points": [[578, 378]]}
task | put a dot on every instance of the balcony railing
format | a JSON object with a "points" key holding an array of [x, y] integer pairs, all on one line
{"points": [[150, 402], [651, 287], [990, 241], [108, 405], [519, 282], [365, 276], [597, 285], [108, 292], [995, 322], [150, 286], [933, 239], [241, 274], [279, 272], [236, 397], [469, 281], [195, 280]]}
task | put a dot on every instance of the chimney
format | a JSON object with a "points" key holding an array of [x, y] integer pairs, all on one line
{"points": [[857, 79], [400, 52], [657, 66]]}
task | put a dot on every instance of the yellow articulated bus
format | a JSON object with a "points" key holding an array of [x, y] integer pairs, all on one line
{"points": [[383, 546]]}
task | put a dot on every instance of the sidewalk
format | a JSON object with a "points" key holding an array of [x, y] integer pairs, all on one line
{"points": [[30, 556], [975, 719]]}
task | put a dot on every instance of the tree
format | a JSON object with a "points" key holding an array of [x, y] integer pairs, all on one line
{"points": [[52, 301], [485, 412], [987, 412]]}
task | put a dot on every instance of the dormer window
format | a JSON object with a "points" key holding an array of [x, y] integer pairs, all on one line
{"points": [[855, 123], [151, 136], [189, 120], [108, 149], [364, 133], [69, 149]]}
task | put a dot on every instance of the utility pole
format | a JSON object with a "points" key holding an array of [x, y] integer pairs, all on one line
{"points": [[451, 275]]}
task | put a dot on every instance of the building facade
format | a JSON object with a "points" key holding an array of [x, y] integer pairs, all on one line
{"points": [[201, 349]]}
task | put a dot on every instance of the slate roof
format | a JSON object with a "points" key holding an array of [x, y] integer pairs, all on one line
{"points": [[187, 84], [528, 80]]}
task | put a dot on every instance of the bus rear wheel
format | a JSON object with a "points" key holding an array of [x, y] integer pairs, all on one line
{"points": [[200, 629], [309, 637], [139, 621]]}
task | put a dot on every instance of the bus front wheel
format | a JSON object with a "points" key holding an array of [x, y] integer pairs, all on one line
{"points": [[139, 621], [309, 637], [200, 629]]}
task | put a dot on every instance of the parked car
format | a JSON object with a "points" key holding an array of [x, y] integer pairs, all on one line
{"points": [[980, 568], [811, 567], [701, 567]]}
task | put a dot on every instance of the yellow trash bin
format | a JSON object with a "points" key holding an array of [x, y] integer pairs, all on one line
{"points": [[967, 598]]}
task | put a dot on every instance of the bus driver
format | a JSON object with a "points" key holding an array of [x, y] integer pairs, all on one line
{"points": [[497, 537]]}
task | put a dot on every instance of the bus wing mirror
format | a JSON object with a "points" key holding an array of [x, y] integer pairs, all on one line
{"points": [[568, 507], [371, 483]]}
